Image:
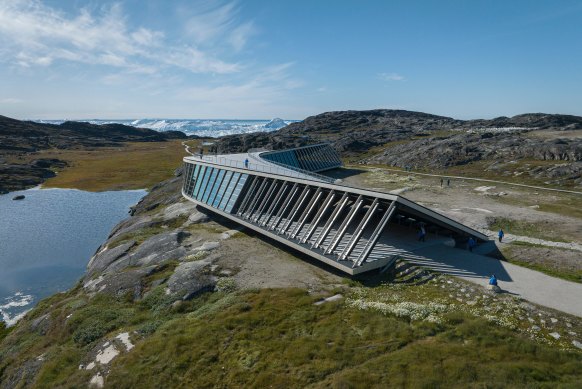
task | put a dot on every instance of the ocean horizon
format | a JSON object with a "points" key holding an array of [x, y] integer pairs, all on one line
{"points": [[212, 128]]}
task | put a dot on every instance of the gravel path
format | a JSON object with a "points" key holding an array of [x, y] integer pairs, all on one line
{"points": [[531, 285]]}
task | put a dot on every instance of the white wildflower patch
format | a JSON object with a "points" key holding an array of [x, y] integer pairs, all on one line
{"points": [[407, 309]]}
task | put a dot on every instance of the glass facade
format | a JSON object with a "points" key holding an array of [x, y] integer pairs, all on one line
{"points": [[311, 158], [218, 188]]}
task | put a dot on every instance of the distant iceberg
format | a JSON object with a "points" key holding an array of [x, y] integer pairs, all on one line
{"points": [[210, 128], [276, 124]]}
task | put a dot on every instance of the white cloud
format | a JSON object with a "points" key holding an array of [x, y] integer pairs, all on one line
{"points": [[33, 34], [271, 84], [216, 20], [391, 77]]}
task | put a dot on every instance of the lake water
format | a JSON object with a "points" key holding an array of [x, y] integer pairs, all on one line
{"points": [[47, 239]]}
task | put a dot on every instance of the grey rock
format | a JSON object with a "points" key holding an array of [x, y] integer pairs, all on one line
{"points": [[191, 278], [160, 248], [153, 251], [577, 344], [103, 259], [207, 246], [177, 210], [197, 217], [40, 324], [132, 224], [120, 283], [555, 335]]}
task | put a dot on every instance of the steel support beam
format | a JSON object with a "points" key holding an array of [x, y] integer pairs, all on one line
{"points": [[310, 207], [268, 196], [318, 216], [336, 212], [344, 226], [248, 198], [273, 206], [359, 230], [284, 208], [295, 209], [256, 197], [375, 235]]}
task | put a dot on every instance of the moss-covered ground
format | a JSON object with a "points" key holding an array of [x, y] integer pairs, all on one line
{"points": [[132, 166], [380, 336]]}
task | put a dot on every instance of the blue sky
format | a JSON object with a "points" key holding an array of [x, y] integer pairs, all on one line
{"points": [[261, 59]]}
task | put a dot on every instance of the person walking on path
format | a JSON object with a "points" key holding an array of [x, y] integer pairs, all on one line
{"points": [[441, 182], [246, 163], [471, 243], [448, 182], [500, 234], [421, 234]]}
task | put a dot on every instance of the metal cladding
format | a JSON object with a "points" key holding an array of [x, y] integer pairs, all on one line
{"points": [[278, 194]]}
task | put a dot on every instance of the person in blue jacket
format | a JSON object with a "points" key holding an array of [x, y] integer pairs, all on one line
{"points": [[500, 234], [493, 280], [471, 244]]}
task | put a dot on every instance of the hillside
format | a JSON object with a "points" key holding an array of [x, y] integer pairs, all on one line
{"points": [[21, 141], [546, 148], [180, 298]]}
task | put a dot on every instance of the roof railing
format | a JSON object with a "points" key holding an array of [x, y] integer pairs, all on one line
{"points": [[264, 167]]}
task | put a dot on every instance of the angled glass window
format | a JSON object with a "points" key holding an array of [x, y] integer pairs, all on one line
{"points": [[203, 183], [214, 192], [199, 177], [228, 191], [236, 192], [222, 189], [192, 178], [209, 185]]}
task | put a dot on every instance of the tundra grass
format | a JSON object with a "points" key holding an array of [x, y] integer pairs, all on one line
{"points": [[278, 338], [565, 274], [525, 228], [136, 165]]}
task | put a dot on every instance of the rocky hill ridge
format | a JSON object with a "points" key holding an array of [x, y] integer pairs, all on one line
{"points": [[424, 141], [18, 138]]}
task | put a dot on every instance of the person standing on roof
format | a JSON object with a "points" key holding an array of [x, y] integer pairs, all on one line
{"points": [[500, 234]]}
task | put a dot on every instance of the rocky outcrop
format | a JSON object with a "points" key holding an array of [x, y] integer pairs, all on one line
{"points": [[424, 141]]}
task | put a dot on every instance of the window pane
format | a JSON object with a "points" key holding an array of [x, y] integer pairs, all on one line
{"points": [[228, 191], [203, 183], [222, 189], [219, 178], [236, 192], [209, 185], [198, 180]]}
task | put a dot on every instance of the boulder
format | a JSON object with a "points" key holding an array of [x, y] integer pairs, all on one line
{"points": [[191, 278], [160, 248], [104, 258], [494, 288]]}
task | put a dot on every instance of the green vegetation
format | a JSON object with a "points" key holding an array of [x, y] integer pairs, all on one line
{"points": [[4, 331], [133, 166], [279, 338], [525, 228], [551, 267]]}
